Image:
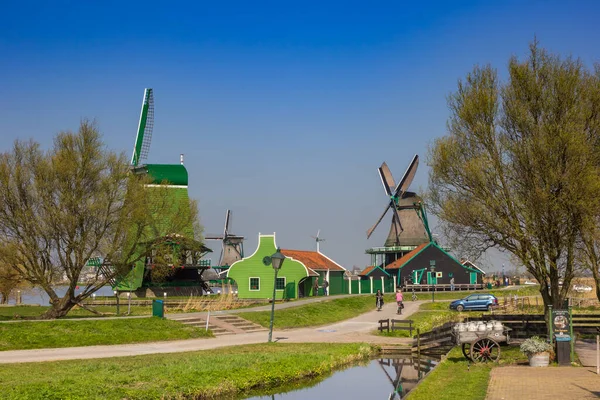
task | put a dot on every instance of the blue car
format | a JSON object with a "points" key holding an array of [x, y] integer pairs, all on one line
{"points": [[480, 302]]}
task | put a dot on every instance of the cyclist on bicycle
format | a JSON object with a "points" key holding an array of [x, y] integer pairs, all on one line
{"points": [[399, 299], [379, 299]]}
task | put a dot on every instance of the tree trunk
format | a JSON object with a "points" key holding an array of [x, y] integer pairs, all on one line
{"points": [[3, 298], [59, 308]]}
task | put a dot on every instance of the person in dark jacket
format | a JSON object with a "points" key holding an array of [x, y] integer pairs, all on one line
{"points": [[379, 299]]}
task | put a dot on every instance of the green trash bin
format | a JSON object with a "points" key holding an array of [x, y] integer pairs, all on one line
{"points": [[489, 285], [158, 308]]}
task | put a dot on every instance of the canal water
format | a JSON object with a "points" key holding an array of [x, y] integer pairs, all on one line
{"points": [[38, 296], [382, 378]]}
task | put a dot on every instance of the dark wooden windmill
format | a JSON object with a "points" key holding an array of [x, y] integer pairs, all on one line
{"points": [[407, 230], [232, 247]]}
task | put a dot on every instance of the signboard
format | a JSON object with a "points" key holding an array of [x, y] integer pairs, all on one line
{"points": [[560, 322]]}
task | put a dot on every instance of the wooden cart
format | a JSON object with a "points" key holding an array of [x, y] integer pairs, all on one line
{"points": [[481, 346]]}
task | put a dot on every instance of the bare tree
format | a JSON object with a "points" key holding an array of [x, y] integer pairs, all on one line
{"points": [[10, 279], [60, 208], [518, 168]]}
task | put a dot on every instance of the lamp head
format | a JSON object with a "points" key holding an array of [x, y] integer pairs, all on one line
{"points": [[277, 259]]}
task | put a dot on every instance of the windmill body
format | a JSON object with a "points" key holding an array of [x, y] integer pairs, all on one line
{"points": [[407, 230]]}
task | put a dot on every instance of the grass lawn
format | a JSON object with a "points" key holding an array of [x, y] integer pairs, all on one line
{"points": [[17, 312], [315, 314], [195, 375], [454, 378], [60, 333]]}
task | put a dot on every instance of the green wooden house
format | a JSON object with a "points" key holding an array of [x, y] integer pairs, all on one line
{"points": [[295, 279], [414, 268]]}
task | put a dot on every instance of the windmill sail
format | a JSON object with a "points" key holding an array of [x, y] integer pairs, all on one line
{"points": [[145, 126]]}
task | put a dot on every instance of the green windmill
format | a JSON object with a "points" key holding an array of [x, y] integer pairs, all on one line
{"points": [[188, 268]]}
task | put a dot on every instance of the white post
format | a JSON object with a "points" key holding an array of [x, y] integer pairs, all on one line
{"points": [[360, 286], [350, 285], [382, 285], [207, 319], [597, 354], [128, 303], [329, 283], [371, 279]]}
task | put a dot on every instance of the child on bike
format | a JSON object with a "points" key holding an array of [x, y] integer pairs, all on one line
{"points": [[379, 299], [399, 299]]}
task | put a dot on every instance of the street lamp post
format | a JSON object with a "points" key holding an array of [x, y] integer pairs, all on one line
{"points": [[433, 278], [276, 261]]}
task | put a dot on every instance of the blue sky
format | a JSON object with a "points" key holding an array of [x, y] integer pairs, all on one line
{"points": [[284, 110]]}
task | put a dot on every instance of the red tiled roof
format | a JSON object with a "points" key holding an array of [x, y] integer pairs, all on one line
{"points": [[313, 260], [366, 271], [401, 261]]}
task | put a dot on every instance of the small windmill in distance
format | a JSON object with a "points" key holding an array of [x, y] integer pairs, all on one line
{"points": [[318, 239]]}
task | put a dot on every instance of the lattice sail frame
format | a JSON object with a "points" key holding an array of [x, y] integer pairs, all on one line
{"points": [[145, 127]]}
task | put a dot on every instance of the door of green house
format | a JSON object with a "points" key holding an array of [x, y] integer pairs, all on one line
{"points": [[354, 284], [418, 275], [290, 290], [389, 285], [473, 278], [431, 278]]}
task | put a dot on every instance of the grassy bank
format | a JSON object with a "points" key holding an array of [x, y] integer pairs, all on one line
{"points": [[51, 334], [316, 314], [19, 312], [454, 378], [204, 375]]}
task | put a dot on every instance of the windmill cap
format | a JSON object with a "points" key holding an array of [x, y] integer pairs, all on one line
{"points": [[173, 174]]}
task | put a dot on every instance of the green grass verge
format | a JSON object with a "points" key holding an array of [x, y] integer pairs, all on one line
{"points": [[61, 333], [454, 378], [197, 375], [18, 312], [315, 314]]}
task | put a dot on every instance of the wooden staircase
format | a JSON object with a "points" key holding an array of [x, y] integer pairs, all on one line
{"points": [[224, 324]]}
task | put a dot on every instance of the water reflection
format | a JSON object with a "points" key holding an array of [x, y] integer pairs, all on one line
{"points": [[38, 296], [383, 378]]}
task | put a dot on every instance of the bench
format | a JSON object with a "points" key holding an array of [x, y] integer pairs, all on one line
{"points": [[396, 325]]}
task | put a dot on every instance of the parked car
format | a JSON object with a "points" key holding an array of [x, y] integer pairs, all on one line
{"points": [[475, 302]]}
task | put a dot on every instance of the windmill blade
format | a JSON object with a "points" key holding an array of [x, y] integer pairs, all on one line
{"points": [[385, 173], [226, 229], [222, 253], [370, 231], [384, 180], [408, 177], [145, 127], [318, 232], [396, 218]]}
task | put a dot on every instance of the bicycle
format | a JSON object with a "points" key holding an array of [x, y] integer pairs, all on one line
{"points": [[400, 307], [414, 296]]}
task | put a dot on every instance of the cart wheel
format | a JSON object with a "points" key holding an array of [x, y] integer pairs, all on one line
{"points": [[485, 349], [466, 349]]}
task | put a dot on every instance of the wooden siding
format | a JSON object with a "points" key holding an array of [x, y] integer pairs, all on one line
{"points": [[253, 266], [443, 263]]}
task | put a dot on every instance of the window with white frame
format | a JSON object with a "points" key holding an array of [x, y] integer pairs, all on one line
{"points": [[254, 283]]}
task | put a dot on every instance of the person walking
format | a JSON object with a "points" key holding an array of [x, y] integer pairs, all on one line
{"points": [[316, 287], [399, 301], [378, 300], [452, 284], [325, 286]]}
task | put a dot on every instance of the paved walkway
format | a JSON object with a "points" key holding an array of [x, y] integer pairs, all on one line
{"points": [[512, 383], [357, 329], [586, 351]]}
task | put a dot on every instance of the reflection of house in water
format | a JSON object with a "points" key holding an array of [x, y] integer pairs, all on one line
{"points": [[405, 373]]}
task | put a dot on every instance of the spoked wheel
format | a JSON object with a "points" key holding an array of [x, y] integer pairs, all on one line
{"points": [[485, 349], [466, 349]]}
